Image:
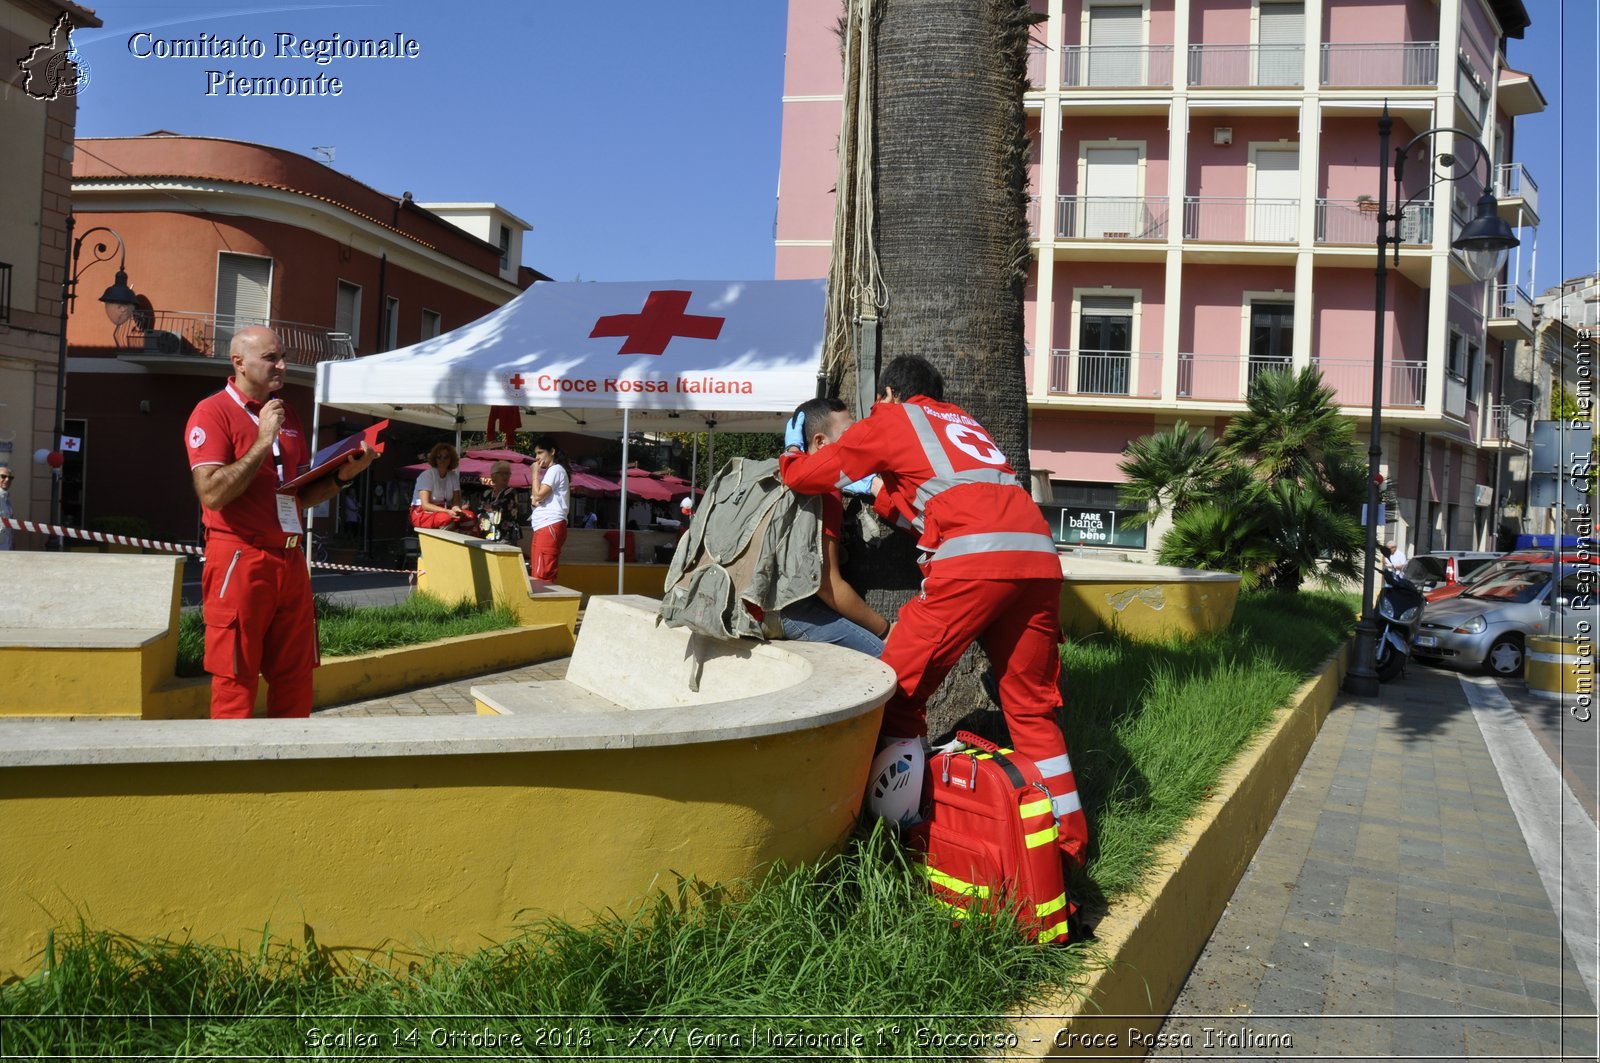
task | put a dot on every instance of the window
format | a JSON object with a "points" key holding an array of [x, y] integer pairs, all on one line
{"points": [[505, 247], [1456, 356], [1282, 35], [244, 296], [1115, 35], [391, 324], [1105, 344], [430, 324], [347, 312], [1271, 337], [1472, 372]]}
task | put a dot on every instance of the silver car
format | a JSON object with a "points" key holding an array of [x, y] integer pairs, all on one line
{"points": [[1487, 626]]}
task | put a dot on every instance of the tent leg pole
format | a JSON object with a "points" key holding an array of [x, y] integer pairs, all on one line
{"points": [[622, 506], [694, 464], [316, 436]]}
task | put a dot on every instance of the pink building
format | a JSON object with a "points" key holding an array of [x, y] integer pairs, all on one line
{"points": [[1200, 181]]}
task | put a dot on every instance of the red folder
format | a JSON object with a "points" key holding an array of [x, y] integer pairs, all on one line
{"points": [[328, 459]]}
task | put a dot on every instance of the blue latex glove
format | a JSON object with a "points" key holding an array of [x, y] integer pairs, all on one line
{"points": [[794, 433], [862, 486]]}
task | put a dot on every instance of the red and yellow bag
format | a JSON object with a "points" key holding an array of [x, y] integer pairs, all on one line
{"points": [[992, 840]]}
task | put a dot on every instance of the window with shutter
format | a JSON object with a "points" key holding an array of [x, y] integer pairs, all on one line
{"points": [[244, 296], [1282, 40], [1116, 32]]}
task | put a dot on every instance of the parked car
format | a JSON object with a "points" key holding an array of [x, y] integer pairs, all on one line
{"points": [[1487, 625], [1504, 563], [1440, 568]]}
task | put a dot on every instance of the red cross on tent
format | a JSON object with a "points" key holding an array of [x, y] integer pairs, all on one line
{"points": [[661, 320]]}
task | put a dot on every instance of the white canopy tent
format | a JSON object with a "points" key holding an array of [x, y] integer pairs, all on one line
{"points": [[601, 358]]}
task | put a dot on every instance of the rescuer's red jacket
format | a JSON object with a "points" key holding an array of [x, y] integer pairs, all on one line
{"points": [[944, 478]]}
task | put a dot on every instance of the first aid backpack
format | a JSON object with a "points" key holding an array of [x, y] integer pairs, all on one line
{"points": [[991, 843]]}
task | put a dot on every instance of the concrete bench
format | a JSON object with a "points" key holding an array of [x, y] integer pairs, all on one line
{"points": [[456, 567], [85, 633], [390, 835]]}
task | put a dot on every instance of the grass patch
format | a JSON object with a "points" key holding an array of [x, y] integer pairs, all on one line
{"points": [[344, 630], [847, 947]]}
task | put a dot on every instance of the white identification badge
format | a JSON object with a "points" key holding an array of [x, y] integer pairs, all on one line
{"points": [[289, 515]]}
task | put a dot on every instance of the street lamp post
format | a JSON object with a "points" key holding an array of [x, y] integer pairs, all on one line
{"points": [[120, 303], [1484, 242]]}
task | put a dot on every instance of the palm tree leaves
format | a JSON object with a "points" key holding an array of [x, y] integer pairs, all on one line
{"points": [[1278, 496], [1175, 470]]}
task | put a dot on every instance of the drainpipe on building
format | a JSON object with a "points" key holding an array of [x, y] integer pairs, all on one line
{"points": [[385, 341]]}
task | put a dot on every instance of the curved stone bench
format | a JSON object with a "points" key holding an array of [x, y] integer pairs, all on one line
{"points": [[86, 634], [1144, 601], [442, 832]]}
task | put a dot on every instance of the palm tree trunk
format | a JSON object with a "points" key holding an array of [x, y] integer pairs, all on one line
{"points": [[949, 194]]}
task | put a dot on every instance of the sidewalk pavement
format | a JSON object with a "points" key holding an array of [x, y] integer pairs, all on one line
{"points": [[1394, 908]]}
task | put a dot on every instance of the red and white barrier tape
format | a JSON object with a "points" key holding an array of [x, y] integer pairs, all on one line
{"points": [[177, 548]]}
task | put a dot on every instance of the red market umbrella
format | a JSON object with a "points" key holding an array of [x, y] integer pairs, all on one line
{"points": [[587, 483], [642, 485], [513, 456], [475, 471]]}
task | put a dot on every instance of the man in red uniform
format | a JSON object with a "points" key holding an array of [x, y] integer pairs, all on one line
{"points": [[242, 444], [990, 567]]}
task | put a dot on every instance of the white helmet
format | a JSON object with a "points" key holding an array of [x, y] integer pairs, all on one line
{"points": [[894, 786]]}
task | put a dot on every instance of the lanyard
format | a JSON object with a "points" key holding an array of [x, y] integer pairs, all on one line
{"points": [[277, 454]]}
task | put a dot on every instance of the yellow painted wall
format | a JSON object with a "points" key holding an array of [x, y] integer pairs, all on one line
{"points": [[456, 572], [1147, 609], [371, 675], [1561, 668], [407, 852], [647, 580]]}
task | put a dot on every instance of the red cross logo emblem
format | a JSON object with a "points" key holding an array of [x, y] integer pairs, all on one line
{"points": [[972, 441], [516, 382], [661, 320]]}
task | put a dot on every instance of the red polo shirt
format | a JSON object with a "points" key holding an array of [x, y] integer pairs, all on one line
{"points": [[222, 428]]}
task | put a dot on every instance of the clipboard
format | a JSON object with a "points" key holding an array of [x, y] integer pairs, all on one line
{"points": [[328, 460]]}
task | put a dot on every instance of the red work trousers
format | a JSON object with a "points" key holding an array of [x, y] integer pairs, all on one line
{"points": [[1018, 624], [544, 556], [259, 621]]}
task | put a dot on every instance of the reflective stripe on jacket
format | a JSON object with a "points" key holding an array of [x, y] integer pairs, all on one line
{"points": [[945, 479]]}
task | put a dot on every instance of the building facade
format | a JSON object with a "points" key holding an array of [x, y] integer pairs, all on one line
{"points": [[37, 124], [1204, 176], [220, 234]]}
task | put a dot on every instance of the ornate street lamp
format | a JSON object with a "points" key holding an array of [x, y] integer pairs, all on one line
{"points": [[120, 303], [1483, 242]]}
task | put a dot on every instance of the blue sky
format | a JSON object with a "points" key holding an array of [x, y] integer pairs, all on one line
{"points": [[639, 139]]}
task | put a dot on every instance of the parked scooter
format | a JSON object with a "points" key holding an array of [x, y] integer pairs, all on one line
{"points": [[1399, 614]]}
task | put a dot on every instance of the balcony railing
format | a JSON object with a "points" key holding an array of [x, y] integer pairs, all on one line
{"points": [[1036, 66], [1116, 66], [1033, 215], [1136, 374], [1235, 65], [1511, 302], [1214, 219], [208, 336], [1221, 377], [1508, 424], [1512, 181], [1404, 383], [1345, 221], [1407, 63], [1111, 217], [1455, 395]]}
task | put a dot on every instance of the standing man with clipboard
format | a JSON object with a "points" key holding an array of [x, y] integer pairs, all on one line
{"points": [[243, 445]]}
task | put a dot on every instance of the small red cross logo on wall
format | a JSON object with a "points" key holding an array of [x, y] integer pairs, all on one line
{"points": [[662, 320], [516, 382]]}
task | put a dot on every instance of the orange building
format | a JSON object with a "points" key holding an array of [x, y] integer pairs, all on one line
{"points": [[220, 234]]}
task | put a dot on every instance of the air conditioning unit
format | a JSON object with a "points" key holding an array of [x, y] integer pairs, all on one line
{"points": [[1482, 495], [1222, 135]]}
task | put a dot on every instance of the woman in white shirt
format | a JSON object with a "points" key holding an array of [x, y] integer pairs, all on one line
{"points": [[436, 502], [552, 495]]}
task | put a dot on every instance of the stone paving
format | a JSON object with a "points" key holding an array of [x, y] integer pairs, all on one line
{"points": [[1392, 910], [450, 698]]}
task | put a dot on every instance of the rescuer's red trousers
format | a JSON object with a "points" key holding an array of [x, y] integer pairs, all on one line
{"points": [[1018, 624], [259, 622]]}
